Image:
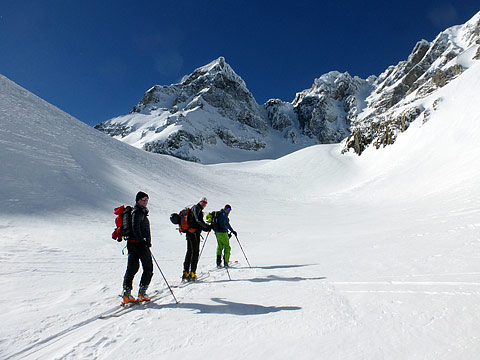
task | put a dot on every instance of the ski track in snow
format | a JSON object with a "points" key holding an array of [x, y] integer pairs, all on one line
{"points": [[87, 334]]}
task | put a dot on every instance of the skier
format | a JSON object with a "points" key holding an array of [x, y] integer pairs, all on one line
{"points": [[195, 220], [139, 249], [223, 238]]}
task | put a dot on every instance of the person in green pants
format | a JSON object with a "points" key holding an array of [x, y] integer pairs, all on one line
{"points": [[221, 228]]}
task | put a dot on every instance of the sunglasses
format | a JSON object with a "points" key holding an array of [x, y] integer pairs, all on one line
{"points": [[144, 199]]}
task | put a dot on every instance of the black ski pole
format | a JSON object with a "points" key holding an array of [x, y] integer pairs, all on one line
{"points": [[226, 268], [243, 251], [203, 246], [161, 272]]}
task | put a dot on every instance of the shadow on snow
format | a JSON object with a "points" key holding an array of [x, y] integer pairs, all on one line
{"points": [[281, 278], [273, 267], [227, 307], [269, 278]]}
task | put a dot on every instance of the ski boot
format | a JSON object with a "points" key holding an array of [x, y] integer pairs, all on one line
{"points": [[142, 293], [127, 297], [192, 277], [185, 276], [219, 261]]}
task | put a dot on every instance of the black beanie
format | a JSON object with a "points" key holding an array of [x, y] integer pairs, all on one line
{"points": [[140, 195]]}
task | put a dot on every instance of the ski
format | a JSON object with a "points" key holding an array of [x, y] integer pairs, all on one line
{"points": [[125, 308], [231, 264], [200, 278]]}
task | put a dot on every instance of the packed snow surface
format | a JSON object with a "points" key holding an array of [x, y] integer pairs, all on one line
{"points": [[371, 257]]}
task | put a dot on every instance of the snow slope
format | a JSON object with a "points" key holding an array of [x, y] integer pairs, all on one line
{"points": [[371, 257]]}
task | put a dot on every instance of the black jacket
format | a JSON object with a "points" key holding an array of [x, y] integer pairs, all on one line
{"points": [[195, 219], [141, 224]]}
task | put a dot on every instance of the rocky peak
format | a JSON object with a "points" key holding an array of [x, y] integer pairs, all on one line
{"points": [[215, 84], [216, 71], [395, 102]]}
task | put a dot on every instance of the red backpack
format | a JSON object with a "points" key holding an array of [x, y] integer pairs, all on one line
{"points": [[123, 223]]}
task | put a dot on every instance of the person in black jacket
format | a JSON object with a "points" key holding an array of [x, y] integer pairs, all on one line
{"points": [[139, 250], [197, 224]]}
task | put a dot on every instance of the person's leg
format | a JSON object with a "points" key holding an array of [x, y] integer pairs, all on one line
{"points": [[225, 244], [195, 251], [219, 250], [147, 265], [188, 255], [132, 268]]}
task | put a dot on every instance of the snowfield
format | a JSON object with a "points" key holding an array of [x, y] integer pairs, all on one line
{"points": [[371, 257]]}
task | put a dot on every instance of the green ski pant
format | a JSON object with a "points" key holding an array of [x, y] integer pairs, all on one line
{"points": [[223, 243]]}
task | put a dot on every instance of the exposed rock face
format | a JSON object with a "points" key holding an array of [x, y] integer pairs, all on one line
{"points": [[114, 129], [282, 117], [278, 114], [326, 110]]}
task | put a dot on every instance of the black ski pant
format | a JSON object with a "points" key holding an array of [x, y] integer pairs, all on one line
{"points": [[138, 252], [193, 248]]}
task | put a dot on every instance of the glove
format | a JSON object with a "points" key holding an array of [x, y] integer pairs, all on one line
{"points": [[229, 235], [209, 228], [234, 233], [147, 243]]}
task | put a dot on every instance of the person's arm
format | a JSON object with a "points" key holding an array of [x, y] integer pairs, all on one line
{"points": [[197, 211]]}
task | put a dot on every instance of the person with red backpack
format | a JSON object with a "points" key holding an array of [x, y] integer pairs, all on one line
{"points": [[138, 246], [196, 225]]}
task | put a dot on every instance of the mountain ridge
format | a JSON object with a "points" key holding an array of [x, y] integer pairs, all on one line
{"points": [[211, 116]]}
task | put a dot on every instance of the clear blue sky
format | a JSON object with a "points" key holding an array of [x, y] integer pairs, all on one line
{"points": [[95, 59]]}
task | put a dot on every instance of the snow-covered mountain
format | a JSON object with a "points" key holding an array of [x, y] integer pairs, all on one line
{"points": [[408, 91], [353, 257], [211, 116]]}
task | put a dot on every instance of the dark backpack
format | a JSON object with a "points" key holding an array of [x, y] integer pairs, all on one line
{"points": [[212, 217], [181, 219], [123, 223]]}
